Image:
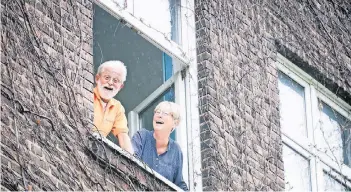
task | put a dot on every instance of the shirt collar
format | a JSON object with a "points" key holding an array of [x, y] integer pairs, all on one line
{"points": [[170, 141], [111, 102]]}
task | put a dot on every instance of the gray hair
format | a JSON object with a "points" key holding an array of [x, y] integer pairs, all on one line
{"points": [[115, 64], [171, 107]]}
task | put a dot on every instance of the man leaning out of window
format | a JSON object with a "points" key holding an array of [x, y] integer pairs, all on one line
{"points": [[157, 149], [109, 114]]}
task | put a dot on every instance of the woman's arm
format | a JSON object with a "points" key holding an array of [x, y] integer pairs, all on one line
{"points": [[137, 143], [125, 143]]}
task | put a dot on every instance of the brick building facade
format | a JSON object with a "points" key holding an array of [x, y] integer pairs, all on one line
{"points": [[231, 87], [47, 107], [238, 45]]}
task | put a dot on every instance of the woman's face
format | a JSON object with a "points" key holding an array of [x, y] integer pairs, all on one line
{"points": [[163, 120]]}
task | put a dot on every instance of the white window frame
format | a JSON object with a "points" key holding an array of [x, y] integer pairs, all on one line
{"points": [[314, 91], [186, 90], [304, 153], [323, 167]]}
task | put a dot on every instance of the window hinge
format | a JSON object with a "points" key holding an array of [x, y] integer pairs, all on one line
{"points": [[183, 72]]}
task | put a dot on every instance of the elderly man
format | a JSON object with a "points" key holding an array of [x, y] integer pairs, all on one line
{"points": [[109, 114], [157, 149]]}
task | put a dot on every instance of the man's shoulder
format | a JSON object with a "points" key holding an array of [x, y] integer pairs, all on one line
{"points": [[115, 101]]}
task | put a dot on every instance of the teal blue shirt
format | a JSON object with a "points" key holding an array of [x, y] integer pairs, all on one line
{"points": [[169, 164]]}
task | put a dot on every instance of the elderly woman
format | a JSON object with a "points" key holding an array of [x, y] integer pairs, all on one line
{"points": [[157, 149]]}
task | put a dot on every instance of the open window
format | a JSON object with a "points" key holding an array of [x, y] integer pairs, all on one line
{"points": [[159, 54], [148, 67]]}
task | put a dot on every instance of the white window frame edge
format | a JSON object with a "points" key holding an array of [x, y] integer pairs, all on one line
{"points": [[137, 161], [307, 155], [156, 38], [318, 91], [191, 96], [181, 130]]}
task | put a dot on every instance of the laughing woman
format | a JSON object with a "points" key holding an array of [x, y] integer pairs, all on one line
{"points": [[157, 149]]}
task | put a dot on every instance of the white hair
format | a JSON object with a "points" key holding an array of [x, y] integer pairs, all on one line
{"points": [[119, 65], [171, 107]]}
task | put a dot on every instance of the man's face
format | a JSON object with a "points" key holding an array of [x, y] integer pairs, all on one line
{"points": [[109, 82]]}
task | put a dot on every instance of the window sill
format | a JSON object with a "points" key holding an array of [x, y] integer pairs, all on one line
{"points": [[109, 155]]}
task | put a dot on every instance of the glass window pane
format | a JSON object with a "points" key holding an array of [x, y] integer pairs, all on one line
{"points": [[162, 15], [168, 66], [147, 66], [297, 171], [333, 134], [146, 116], [331, 184], [292, 106]]}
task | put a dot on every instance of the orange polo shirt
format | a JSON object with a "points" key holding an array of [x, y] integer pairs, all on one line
{"points": [[113, 119]]}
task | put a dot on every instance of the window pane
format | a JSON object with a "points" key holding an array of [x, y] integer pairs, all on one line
{"points": [[333, 134], [162, 15], [292, 106], [146, 64], [168, 66], [146, 116], [330, 184], [297, 171]]}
